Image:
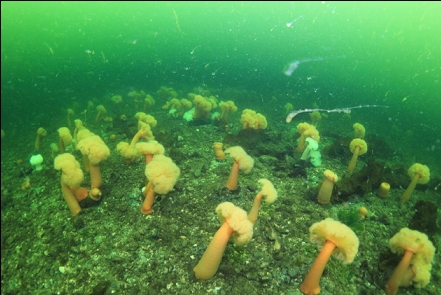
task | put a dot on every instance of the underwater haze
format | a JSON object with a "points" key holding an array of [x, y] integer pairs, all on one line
{"points": [[373, 53], [374, 63]]}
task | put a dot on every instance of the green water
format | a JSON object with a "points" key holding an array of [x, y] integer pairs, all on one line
{"points": [[55, 53], [59, 55]]}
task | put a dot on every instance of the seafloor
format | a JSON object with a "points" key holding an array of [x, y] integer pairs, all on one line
{"points": [[111, 248]]}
